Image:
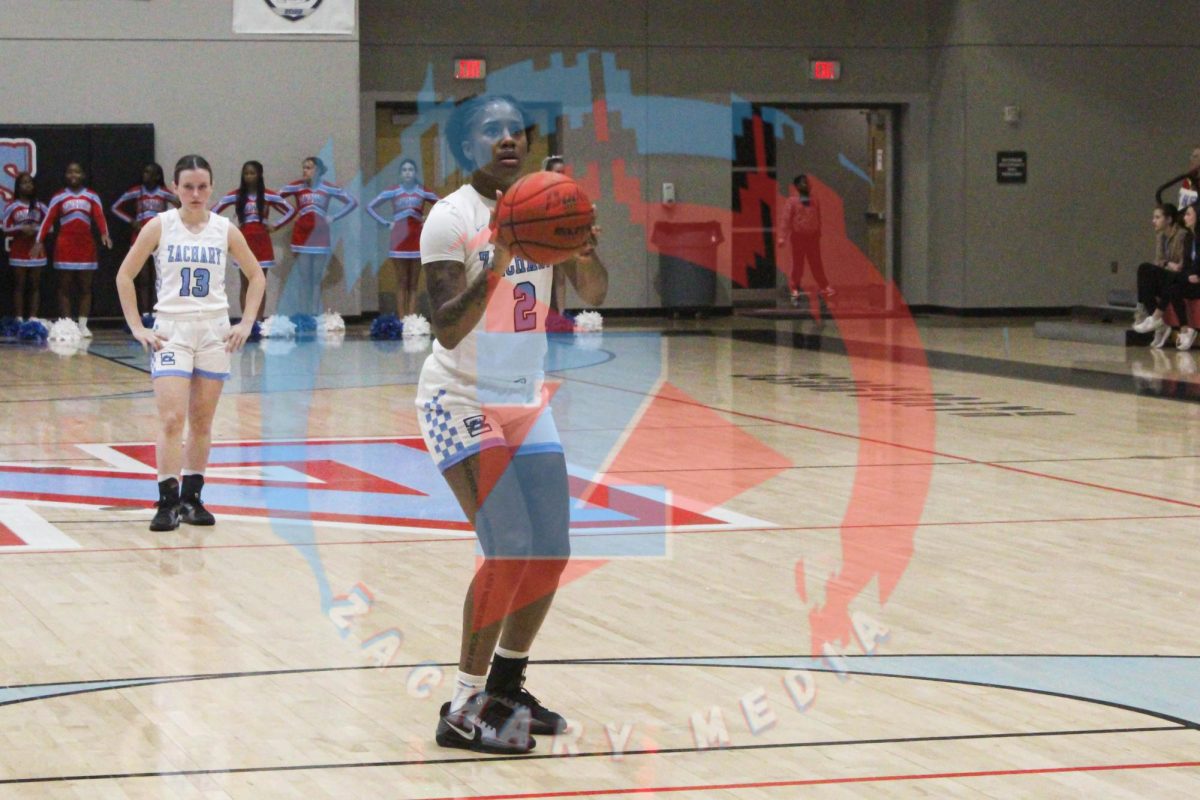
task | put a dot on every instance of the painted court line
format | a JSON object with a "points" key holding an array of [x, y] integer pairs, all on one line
{"points": [[723, 787]]}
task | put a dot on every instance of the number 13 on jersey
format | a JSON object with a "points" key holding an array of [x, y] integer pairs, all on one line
{"points": [[200, 276]]}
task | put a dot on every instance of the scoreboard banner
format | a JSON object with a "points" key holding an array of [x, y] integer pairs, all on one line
{"points": [[294, 16]]}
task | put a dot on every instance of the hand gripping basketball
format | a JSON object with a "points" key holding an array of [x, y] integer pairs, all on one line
{"points": [[545, 217]]}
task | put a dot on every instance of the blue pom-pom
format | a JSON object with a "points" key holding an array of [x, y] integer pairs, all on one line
{"points": [[387, 326], [148, 320], [256, 331], [33, 331], [305, 323], [9, 327]]}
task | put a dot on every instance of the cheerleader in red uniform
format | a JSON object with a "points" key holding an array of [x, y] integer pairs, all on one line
{"points": [[75, 211], [253, 203], [408, 213], [311, 242], [20, 220], [138, 206]]}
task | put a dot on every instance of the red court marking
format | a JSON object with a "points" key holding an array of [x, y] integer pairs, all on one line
{"points": [[721, 787], [335, 476], [665, 437], [8, 537], [446, 540], [867, 440]]}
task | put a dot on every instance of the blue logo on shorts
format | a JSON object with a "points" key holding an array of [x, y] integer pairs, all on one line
{"points": [[166, 359], [477, 425]]}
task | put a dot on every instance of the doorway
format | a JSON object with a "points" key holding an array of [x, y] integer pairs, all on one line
{"points": [[851, 151]]}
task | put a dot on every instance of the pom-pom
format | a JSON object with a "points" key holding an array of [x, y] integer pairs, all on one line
{"points": [[331, 322], [256, 331], [305, 323], [589, 322], [559, 323], [32, 330], [415, 325], [416, 344], [387, 326], [65, 330], [147, 320], [66, 349], [10, 327], [277, 326]]}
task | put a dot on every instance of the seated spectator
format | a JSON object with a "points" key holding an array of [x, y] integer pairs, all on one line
{"points": [[1187, 287], [1155, 279]]}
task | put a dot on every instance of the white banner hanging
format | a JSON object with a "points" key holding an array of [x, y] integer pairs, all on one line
{"points": [[293, 16]]}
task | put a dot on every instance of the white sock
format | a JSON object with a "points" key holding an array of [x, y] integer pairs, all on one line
{"points": [[505, 653], [466, 686], [83, 322]]}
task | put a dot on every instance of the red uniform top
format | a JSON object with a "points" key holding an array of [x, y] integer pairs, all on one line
{"points": [[16, 216], [75, 212], [311, 232]]}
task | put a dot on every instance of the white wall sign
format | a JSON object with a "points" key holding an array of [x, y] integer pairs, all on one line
{"points": [[293, 16]]}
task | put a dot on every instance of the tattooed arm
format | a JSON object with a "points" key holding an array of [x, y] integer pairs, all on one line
{"points": [[457, 304]]}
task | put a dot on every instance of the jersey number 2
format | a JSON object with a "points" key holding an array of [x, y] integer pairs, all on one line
{"points": [[200, 289], [525, 311]]}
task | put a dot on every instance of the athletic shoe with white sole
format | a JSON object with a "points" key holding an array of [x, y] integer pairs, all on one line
{"points": [[486, 724], [1187, 338], [1161, 336], [1149, 324]]}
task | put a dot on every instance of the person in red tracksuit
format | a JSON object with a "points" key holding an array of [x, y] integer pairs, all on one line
{"points": [[800, 223], [75, 212]]}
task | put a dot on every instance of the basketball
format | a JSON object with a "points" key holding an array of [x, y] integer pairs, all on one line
{"points": [[545, 217]]}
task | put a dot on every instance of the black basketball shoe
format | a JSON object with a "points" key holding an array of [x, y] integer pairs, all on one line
{"points": [[486, 724], [166, 518], [542, 720], [193, 512]]}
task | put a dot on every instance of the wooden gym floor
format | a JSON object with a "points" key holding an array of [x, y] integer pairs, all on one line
{"points": [[812, 561]]}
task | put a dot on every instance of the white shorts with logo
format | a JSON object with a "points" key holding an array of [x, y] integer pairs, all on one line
{"points": [[195, 347], [456, 424]]}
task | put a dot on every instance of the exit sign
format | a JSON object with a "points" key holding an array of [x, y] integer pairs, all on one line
{"points": [[824, 70], [470, 69]]}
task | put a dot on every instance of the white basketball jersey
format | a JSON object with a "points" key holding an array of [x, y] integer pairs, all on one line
{"points": [[190, 267], [508, 344]]}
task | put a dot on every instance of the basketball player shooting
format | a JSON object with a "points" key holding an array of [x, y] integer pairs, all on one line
{"points": [[483, 412]]}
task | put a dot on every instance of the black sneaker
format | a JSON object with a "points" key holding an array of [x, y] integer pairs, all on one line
{"points": [[193, 512], [486, 724], [166, 518], [543, 721]]}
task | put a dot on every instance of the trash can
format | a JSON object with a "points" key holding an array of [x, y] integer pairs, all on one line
{"points": [[687, 263]]}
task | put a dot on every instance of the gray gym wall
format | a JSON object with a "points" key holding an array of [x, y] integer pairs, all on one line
{"points": [[177, 64], [1104, 90]]}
